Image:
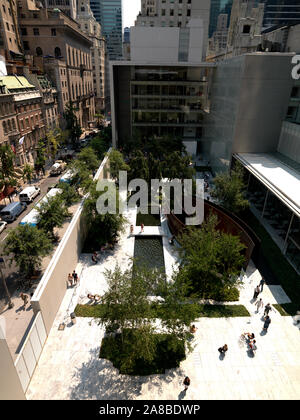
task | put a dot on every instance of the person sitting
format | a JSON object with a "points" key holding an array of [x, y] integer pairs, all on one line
{"points": [[171, 240], [193, 329], [97, 298], [223, 349], [95, 257], [90, 296]]}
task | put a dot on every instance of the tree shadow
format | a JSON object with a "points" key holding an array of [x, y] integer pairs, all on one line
{"points": [[99, 379]]}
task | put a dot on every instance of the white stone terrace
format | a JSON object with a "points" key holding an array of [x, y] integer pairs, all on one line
{"points": [[69, 367]]}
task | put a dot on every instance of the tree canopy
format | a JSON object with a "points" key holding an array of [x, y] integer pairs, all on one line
{"points": [[211, 260], [228, 190], [27, 245]]}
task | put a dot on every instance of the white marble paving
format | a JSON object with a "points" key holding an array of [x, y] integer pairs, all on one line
{"points": [[70, 368]]}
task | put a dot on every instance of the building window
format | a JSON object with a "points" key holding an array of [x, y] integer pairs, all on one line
{"points": [[53, 31], [36, 31], [39, 52], [4, 127], [26, 45], [246, 29], [24, 31], [57, 52]]}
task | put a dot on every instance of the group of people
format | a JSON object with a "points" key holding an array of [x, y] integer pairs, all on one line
{"points": [[259, 304], [72, 278], [94, 298]]}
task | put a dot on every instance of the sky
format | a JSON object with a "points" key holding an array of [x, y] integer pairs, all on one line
{"points": [[131, 9]]}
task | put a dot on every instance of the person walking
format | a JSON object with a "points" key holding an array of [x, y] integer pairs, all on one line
{"points": [[267, 323], [268, 308], [75, 277], [186, 383], [256, 292], [142, 227], [259, 304], [25, 299], [70, 279], [131, 229], [262, 282]]}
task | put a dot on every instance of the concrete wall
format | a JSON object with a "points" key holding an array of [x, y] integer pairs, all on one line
{"points": [[265, 92], [154, 44], [249, 100], [289, 142], [10, 385]]}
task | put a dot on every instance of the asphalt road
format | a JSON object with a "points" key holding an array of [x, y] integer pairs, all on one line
{"points": [[10, 272]]}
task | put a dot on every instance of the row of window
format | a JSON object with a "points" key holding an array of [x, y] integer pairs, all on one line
{"points": [[9, 126], [36, 31], [163, 12]]}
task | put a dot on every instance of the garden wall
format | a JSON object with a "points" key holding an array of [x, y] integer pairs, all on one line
{"points": [[52, 287]]}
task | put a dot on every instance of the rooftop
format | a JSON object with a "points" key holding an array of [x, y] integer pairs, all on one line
{"points": [[279, 176], [16, 82]]}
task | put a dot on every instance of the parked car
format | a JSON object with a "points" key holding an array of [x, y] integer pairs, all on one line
{"points": [[28, 194], [2, 226], [12, 211]]}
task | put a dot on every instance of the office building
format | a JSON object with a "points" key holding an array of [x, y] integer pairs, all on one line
{"points": [[218, 7], [281, 12], [69, 7], [63, 51], [109, 14], [92, 28], [159, 100], [10, 41], [169, 13], [218, 41]]}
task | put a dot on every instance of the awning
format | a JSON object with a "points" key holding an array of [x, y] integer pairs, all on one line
{"points": [[281, 179]]}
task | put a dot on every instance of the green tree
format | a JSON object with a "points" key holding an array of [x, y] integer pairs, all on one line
{"points": [[228, 190], [139, 167], [7, 173], [40, 161], [211, 260], [27, 173], [53, 143], [100, 145], [102, 227], [73, 126], [69, 194], [88, 158], [52, 214], [128, 309], [26, 246], [100, 119], [117, 163]]}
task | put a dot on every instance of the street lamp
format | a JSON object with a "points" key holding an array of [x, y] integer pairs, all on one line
{"points": [[2, 265]]}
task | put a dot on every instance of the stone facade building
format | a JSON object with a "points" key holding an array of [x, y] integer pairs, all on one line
{"points": [[24, 122], [92, 28], [60, 48], [10, 42]]}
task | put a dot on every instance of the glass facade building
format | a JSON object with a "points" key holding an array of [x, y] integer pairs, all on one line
{"points": [[161, 100], [109, 14], [218, 7], [281, 12]]}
